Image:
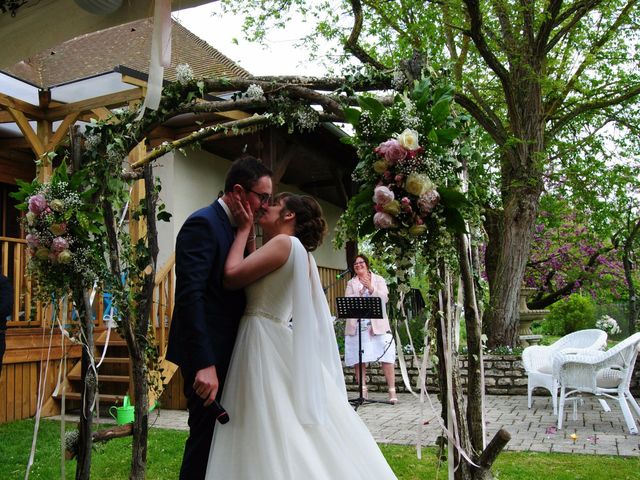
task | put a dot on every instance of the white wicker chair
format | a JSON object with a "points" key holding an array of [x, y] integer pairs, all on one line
{"points": [[538, 360], [606, 374]]}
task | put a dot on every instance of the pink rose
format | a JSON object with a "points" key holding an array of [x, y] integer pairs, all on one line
{"points": [[428, 201], [37, 204], [32, 241], [383, 220], [382, 195], [59, 244], [392, 151]]}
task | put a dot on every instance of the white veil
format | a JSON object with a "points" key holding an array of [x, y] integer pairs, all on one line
{"points": [[316, 359]]}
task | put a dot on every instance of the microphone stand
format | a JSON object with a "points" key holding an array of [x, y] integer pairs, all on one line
{"points": [[360, 307], [338, 279]]}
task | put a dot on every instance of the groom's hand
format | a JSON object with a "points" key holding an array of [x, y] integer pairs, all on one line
{"points": [[206, 384]]}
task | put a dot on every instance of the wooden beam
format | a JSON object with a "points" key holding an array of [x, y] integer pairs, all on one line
{"points": [[5, 117], [107, 101], [133, 81], [234, 114], [137, 228], [31, 136], [63, 129], [102, 113], [22, 106]]}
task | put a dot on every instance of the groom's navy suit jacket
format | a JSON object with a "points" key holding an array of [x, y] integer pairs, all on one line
{"points": [[206, 316]]}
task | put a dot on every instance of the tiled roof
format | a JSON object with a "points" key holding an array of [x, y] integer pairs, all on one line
{"points": [[126, 45]]}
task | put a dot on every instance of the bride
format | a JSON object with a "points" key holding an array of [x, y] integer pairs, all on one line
{"points": [[285, 392]]}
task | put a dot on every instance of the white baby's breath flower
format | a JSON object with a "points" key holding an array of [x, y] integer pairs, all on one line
{"points": [[254, 92], [91, 141], [307, 118], [184, 73]]}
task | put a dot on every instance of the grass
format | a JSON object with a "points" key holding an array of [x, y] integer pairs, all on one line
{"points": [[111, 460]]}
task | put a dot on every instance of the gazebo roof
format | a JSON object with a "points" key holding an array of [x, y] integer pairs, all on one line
{"points": [[125, 45]]}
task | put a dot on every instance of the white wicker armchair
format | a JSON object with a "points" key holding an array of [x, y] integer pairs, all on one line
{"points": [[605, 374], [538, 360]]}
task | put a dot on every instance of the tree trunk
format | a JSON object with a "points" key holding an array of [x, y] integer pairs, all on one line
{"points": [[83, 305], [627, 252], [451, 396], [141, 421], [473, 324], [521, 185], [141, 382], [519, 219]]}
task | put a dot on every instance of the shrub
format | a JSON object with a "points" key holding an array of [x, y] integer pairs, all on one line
{"points": [[576, 312]]}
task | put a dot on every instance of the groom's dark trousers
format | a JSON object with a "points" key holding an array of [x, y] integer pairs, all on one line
{"points": [[204, 324]]}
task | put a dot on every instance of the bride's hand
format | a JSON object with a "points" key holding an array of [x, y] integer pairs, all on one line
{"points": [[241, 212]]}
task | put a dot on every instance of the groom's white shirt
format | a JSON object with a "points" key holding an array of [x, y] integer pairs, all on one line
{"points": [[226, 209]]}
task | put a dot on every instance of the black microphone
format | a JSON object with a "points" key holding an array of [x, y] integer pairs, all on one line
{"points": [[343, 273], [220, 413]]}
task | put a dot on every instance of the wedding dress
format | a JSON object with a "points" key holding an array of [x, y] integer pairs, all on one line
{"points": [[285, 392]]}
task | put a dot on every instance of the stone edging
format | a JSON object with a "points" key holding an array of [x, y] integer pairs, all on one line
{"points": [[504, 375]]}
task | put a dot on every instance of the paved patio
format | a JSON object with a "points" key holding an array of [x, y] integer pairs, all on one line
{"points": [[598, 432]]}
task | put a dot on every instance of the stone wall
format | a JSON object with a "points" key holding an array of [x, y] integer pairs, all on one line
{"points": [[504, 375]]}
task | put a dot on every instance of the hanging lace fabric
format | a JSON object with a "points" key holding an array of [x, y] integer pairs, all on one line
{"points": [[160, 55], [316, 359]]}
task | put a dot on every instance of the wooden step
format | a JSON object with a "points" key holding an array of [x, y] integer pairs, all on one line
{"points": [[105, 398], [104, 378], [112, 343], [120, 360]]}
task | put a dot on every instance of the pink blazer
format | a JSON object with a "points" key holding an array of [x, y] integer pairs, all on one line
{"points": [[378, 325]]}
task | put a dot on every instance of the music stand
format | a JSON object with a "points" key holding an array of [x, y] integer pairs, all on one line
{"points": [[360, 307]]}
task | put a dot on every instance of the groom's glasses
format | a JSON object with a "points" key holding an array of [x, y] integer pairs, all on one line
{"points": [[263, 197]]}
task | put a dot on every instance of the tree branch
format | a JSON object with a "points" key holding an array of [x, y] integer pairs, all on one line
{"points": [[475, 32], [351, 45], [590, 267], [201, 134], [546, 27], [588, 56], [315, 83], [591, 106], [483, 119]]}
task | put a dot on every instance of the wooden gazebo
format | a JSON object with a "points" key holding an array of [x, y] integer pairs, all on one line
{"points": [[87, 78]]}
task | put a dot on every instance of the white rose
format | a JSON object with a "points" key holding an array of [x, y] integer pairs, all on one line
{"points": [[409, 139]]}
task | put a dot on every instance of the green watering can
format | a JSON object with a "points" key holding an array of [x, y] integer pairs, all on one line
{"points": [[123, 414]]}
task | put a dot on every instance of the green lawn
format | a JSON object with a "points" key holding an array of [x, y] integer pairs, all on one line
{"points": [[111, 460]]}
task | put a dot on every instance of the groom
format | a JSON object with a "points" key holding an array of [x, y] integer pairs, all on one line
{"points": [[206, 316]]}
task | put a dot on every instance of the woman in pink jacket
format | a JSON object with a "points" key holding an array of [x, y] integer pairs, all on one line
{"points": [[377, 340]]}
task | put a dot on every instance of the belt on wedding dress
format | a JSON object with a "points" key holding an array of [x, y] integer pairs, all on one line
{"points": [[254, 312]]}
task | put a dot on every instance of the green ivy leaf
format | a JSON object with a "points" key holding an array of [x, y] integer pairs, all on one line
{"points": [[440, 111], [371, 104], [164, 216], [352, 115], [451, 198], [446, 135], [454, 220]]}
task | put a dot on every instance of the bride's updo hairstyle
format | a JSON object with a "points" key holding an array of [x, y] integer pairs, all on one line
{"points": [[311, 226]]}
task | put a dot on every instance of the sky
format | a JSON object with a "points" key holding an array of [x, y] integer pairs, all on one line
{"points": [[280, 57]]}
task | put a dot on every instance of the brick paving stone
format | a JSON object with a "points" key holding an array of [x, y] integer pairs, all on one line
{"points": [[598, 432]]}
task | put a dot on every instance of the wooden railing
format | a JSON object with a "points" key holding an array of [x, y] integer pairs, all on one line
{"points": [[27, 312], [162, 306]]}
